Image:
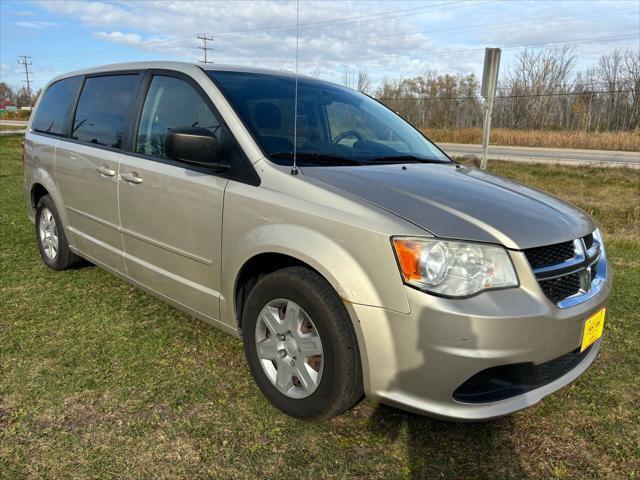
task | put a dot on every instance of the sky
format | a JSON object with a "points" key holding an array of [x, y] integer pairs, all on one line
{"points": [[387, 39]]}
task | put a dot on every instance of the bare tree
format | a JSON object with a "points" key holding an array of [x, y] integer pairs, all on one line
{"points": [[363, 81], [22, 98], [348, 79], [610, 72], [6, 92], [539, 91], [530, 83], [632, 75]]}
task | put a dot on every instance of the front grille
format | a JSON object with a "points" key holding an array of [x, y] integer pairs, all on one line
{"points": [[562, 269], [550, 255], [560, 288], [507, 381]]}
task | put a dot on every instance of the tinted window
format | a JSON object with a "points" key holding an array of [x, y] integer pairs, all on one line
{"points": [[52, 113], [171, 103], [103, 109], [335, 125]]}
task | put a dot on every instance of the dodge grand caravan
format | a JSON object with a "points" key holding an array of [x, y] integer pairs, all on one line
{"points": [[374, 266]]}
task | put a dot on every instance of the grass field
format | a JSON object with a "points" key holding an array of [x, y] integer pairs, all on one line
{"points": [[100, 380], [627, 141]]}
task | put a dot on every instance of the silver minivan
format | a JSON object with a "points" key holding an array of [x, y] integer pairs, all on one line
{"points": [[351, 255]]}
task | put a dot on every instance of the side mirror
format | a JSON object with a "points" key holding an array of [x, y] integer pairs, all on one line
{"points": [[193, 145]]}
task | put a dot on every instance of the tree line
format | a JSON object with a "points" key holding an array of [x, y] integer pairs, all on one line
{"points": [[18, 96], [540, 90]]}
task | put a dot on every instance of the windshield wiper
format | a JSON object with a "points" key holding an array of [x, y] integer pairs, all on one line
{"points": [[319, 158], [405, 159]]}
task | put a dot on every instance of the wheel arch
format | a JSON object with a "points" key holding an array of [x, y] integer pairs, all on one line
{"points": [[42, 183], [37, 192], [255, 268], [270, 247]]}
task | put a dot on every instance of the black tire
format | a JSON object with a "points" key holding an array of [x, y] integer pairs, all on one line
{"points": [[340, 386], [64, 258]]}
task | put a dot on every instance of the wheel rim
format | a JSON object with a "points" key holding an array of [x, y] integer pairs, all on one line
{"points": [[289, 348], [48, 233]]}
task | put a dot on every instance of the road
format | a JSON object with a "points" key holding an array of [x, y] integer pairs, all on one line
{"points": [[14, 123], [547, 155]]}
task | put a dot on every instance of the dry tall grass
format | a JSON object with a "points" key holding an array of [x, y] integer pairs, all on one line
{"points": [[626, 141]]}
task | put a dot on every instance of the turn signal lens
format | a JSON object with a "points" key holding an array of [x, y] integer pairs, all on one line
{"points": [[408, 253]]}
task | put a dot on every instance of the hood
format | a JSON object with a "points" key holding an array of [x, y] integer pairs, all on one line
{"points": [[456, 202]]}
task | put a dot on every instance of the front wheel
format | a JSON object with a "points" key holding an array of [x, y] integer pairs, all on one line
{"points": [[300, 345]]}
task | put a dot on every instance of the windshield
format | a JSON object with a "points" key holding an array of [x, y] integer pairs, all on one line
{"points": [[336, 125]]}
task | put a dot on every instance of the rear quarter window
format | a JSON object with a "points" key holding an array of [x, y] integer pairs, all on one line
{"points": [[55, 106], [103, 109]]}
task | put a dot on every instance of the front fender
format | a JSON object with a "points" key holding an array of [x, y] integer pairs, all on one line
{"points": [[342, 237], [320, 252]]}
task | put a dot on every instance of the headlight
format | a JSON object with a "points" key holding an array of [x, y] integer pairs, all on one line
{"points": [[453, 269]]}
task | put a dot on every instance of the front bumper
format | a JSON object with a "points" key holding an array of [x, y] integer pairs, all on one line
{"points": [[416, 361]]}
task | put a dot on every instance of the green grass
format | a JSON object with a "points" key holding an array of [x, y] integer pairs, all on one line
{"points": [[98, 379]]}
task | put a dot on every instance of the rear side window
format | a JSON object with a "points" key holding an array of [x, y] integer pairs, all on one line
{"points": [[103, 109], [55, 106], [171, 103]]}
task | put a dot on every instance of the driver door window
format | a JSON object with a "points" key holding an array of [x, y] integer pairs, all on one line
{"points": [[171, 103]]}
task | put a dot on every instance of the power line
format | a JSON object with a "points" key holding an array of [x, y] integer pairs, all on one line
{"points": [[385, 16], [26, 61], [531, 95], [205, 39], [431, 34], [485, 26], [564, 94], [471, 50]]}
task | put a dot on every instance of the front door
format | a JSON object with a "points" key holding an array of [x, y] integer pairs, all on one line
{"points": [[86, 166], [170, 212]]}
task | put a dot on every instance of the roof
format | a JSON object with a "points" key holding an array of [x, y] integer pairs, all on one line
{"points": [[184, 67]]}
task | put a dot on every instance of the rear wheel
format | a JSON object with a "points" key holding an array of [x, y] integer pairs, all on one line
{"points": [[52, 240], [300, 345]]}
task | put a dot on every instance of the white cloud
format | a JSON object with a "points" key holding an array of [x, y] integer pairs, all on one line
{"points": [[132, 39], [36, 24]]}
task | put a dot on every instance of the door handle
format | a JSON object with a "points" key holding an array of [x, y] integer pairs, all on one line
{"points": [[130, 177], [106, 171]]}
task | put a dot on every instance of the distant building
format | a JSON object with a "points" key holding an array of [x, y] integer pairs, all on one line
{"points": [[7, 105]]}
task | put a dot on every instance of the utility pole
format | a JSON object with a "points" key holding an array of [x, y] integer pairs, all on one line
{"points": [[488, 91], [26, 61], [205, 39]]}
